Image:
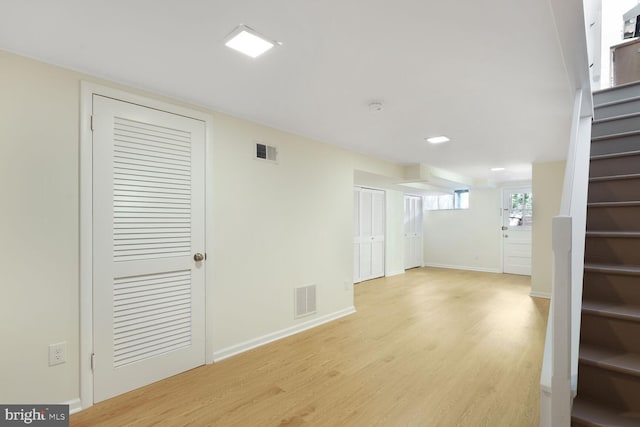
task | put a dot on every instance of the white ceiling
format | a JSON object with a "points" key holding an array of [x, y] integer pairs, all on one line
{"points": [[488, 74]]}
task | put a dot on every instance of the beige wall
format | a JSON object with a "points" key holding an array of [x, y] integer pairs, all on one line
{"points": [[466, 238], [275, 227], [39, 230], [547, 192]]}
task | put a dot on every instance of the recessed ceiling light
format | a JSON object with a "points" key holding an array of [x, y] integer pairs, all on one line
{"points": [[438, 139], [496, 169], [248, 41]]}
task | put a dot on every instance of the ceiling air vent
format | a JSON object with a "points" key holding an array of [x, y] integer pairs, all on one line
{"points": [[266, 152], [305, 300]]}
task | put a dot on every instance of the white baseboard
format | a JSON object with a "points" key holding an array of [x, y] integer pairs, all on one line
{"points": [[74, 406], [393, 273], [283, 333], [537, 294], [462, 267]]}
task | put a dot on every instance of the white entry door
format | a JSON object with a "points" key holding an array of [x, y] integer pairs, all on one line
{"points": [[412, 232], [148, 245], [369, 229], [517, 216]]}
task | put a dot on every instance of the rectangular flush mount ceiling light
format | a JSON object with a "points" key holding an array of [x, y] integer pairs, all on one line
{"points": [[438, 139], [248, 41]]}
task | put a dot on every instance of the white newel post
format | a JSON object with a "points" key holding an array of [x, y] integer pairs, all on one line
{"points": [[561, 308]]}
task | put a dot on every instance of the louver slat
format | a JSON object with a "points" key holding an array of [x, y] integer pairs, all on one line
{"points": [[152, 315], [151, 191]]}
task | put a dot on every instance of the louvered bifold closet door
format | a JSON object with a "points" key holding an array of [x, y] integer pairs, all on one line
{"points": [[148, 176]]}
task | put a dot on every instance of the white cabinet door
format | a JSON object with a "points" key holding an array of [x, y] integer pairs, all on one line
{"points": [[148, 223], [369, 255], [412, 232]]}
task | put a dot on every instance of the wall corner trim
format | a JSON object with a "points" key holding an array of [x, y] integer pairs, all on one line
{"points": [[277, 335]]}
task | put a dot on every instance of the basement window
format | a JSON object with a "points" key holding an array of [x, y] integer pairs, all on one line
{"points": [[459, 199]]}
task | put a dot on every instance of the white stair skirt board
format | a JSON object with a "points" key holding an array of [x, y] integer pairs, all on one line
{"points": [[463, 267], [283, 333]]}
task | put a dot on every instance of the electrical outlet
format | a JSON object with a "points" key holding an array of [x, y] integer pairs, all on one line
{"points": [[57, 353]]}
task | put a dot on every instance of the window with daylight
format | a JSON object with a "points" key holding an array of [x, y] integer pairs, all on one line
{"points": [[459, 199], [521, 209]]}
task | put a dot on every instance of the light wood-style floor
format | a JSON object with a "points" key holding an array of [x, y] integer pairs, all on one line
{"points": [[432, 347]]}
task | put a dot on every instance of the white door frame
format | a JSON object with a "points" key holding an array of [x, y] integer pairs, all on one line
{"points": [[87, 90]]}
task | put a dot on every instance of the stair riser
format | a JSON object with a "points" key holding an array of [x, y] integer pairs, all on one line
{"points": [[616, 145], [611, 127], [617, 390], [615, 334], [615, 166], [613, 218], [621, 109], [618, 93], [616, 251], [611, 288], [621, 190]]}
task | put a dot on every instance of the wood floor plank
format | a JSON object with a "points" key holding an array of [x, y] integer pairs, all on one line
{"points": [[432, 347]]}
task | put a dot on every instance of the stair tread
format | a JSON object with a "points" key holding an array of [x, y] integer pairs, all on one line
{"points": [[615, 155], [613, 204], [614, 269], [622, 234], [615, 135], [614, 310], [614, 360], [615, 88], [615, 177], [617, 102], [614, 118], [595, 414]]}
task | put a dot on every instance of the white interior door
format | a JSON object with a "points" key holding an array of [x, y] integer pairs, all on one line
{"points": [[148, 226], [517, 216], [412, 232], [370, 239]]}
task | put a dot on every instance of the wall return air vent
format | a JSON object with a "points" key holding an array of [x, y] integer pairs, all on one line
{"points": [[305, 300], [266, 152]]}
